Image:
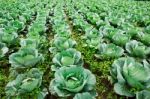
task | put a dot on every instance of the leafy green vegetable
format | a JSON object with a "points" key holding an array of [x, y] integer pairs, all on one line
{"points": [[10, 29], [24, 83], [93, 38], [121, 38], [110, 31], [67, 57], [36, 28], [17, 24], [127, 74], [80, 24], [114, 19], [69, 81], [63, 34], [29, 42], [25, 57], [144, 37], [61, 43], [109, 51], [8, 38], [130, 29], [93, 17], [62, 29], [138, 49], [93, 33]]}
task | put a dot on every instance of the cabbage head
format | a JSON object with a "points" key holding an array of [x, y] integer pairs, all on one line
{"points": [[25, 83], [8, 38], [67, 57], [109, 51], [137, 49], [25, 57], [62, 43], [130, 77], [70, 81]]}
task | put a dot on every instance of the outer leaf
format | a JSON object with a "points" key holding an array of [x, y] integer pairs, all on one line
{"points": [[136, 48], [122, 89], [145, 94], [85, 95], [3, 49], [109, 51]]}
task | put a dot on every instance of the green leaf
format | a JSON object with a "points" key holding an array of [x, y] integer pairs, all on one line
{"points": [[122, 89], [145, 94], [67, 61], [109, 51], [85, 95], [29, 85]]}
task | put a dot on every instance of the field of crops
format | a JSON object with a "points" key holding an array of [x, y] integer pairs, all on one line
{"points": [[74, 49]]}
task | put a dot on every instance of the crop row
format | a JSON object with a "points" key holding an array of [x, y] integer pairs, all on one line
{"points": [[71, 79], [25, 77]]}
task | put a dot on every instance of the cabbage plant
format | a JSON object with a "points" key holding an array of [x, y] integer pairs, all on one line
{"points": [[109, 51], [25, 57], [110, 31], [93, 33], [37, 27], [132, 31], [93, 42], [92, 17], [114, 20], [3, 49], [93, 38], [29, 42], [69, 57], [8, 38], [144, 37], [24, 84], [130, 77], [121, 38], [61, 43], [17, 24], [63, 33], [10, 29], [80, 24], [62, 30], [138, 49], [70, 81]]}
